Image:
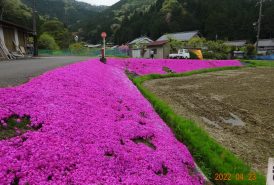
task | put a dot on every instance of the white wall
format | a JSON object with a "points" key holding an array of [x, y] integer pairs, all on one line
{"points": [[16, 40], [2, 34], [136, 53]]}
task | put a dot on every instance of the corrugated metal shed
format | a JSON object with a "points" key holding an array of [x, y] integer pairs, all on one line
{"points": [[266, 43]]}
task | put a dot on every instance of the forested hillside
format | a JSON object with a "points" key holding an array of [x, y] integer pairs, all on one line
{"points": [[15, 11], [128, 19], [70, 12], [224, 19], [112, 18]]}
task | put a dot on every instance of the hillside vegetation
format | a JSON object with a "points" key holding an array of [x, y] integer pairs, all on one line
{"points": [[226, 19], [128, 19]]}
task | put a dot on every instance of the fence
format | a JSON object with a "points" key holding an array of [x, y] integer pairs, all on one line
{"points": [[83, 52]]}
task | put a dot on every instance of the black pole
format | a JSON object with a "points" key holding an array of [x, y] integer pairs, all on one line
{"points": [[35, 45]]}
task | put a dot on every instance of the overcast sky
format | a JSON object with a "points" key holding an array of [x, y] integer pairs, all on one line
{"points": [[100, 2]]}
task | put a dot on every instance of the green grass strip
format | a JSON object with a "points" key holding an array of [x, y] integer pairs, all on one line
{"points": [[259, 63], [211, 157]]}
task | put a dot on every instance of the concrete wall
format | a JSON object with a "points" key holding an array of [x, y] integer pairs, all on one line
{"points": [[136, 53], [161, 51], [2, 34], [166, 48]]}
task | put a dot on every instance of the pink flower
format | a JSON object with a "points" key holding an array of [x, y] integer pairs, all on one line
{"points": [[88, 127], [5, 125], [18, 120]]}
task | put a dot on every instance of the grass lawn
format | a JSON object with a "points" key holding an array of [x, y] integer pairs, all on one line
{"points": [[259, 63]]}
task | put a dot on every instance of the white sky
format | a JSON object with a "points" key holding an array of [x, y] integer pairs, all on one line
{"points": [[100, 2]]}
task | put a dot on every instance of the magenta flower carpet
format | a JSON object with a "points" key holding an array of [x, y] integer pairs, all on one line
{"points": [[89, 125], [150, 66]]}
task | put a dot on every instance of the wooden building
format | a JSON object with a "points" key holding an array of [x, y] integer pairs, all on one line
{"points": [[14, 40], [161, 47]]}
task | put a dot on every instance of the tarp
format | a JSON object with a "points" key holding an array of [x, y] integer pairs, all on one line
{"points": [[267, 57]]}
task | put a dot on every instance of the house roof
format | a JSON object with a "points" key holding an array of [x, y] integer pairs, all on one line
{"points": [[141, 40], [7, 23], [266, 43], [157, 43], [237, 43], [182, 36]]}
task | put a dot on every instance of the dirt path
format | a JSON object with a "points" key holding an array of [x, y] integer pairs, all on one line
{"points": [[234, 107]]}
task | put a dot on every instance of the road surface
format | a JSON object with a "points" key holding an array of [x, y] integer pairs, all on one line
{"points": [[16, 72]]}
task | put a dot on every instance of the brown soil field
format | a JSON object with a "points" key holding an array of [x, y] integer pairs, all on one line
{"points": [[235, 107]]}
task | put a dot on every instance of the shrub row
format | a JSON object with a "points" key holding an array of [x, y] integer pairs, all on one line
{"points": [[211, 157]]}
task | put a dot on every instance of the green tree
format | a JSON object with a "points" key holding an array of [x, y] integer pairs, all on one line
{"points": [[77, 47], [58, 31], [174, 44], [196, 42], [15, 11], [46, 41], [250, 50], [217, 50]]}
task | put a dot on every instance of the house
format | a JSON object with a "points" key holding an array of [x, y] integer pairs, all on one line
{"points": [[161, 47], [138, 47], [13, 40], [182, 36], [266, 46], [238, 44]]}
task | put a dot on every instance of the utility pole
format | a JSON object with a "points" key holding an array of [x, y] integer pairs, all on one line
{"points": [[259, 25], [35, 46]]}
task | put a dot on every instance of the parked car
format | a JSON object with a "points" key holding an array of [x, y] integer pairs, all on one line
{"points": [[182, 54]]}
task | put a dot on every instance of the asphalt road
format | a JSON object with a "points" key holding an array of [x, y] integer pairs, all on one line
{"points": [[16, 72]]}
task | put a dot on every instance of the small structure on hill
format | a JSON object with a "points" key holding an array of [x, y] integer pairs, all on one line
{"points": [[14, 40]]}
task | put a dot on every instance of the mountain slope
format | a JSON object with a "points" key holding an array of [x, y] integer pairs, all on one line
{"points": [[110, 20], [70, 12], [226, 19]]}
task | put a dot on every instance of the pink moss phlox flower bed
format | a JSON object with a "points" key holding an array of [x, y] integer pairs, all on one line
{"points": [[96, 129], [155, 66]]}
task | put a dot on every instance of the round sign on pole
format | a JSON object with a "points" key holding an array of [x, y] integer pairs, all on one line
{"points": [[76, 38], [103, 34]]}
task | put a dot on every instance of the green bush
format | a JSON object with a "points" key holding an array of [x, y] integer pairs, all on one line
{"points": [[193, 55], [58, 31], [77, 47], [46, 41], [217, 50], [250, 50]]}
